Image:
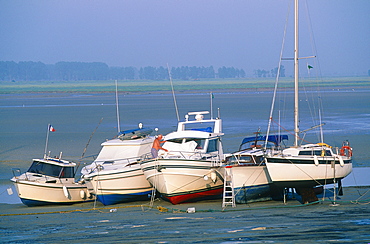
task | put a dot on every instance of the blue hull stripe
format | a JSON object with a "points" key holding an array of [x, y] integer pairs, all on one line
{"points": [[109, 199]]}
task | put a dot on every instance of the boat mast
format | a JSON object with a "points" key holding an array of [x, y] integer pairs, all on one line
{"points": [[296, 69], [117, 109]]}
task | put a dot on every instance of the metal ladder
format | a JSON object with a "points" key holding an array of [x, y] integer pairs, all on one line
{"points": [[228, 195]]}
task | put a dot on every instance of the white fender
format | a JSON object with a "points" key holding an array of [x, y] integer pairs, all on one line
{"points": [[341, 161], [213, 176], [65, 191], [316, 160], [82, 194]]}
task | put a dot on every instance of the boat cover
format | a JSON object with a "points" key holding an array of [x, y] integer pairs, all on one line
{"points": [[273, 138]]}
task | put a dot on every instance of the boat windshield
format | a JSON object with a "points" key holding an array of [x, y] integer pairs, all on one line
{"points": [[212, 146], [200, 142], [38, 167], [243, 160]]}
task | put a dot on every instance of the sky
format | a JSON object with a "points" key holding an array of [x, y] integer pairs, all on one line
{"points": [[245, 34]]}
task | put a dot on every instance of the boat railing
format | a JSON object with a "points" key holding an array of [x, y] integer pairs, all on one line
{"points": [[99, 164], [215, 159], [16, 172]]}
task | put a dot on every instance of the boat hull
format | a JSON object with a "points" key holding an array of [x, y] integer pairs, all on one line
{"points": [[38, 194], [183, 180], [304, 173], [251, 183], [121, 185]]}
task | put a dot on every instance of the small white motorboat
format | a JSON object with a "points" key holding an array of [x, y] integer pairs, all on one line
{"points": [[115, 174], [50, 181]]}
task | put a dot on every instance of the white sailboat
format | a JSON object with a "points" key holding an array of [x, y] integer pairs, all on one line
{"points": [[190, 170], [313, 164]]}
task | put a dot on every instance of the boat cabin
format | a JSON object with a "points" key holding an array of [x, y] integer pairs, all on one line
{"points": [[309, 150], [273, 141], [199, 135], [53, 167]]}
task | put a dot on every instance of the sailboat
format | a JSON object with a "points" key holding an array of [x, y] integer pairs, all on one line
{"points": [[312, 164], [251, 179]]}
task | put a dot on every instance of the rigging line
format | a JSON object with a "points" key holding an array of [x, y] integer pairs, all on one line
{"points": [[173, 93], [277, 76], [87, 144], [314, 52], [289, 131]]}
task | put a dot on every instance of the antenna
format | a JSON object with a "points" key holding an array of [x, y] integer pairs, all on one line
{"points": [[118, 122], [211, 97], [173, 93]]}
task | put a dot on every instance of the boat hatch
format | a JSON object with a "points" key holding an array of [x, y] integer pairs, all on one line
{"points": [[108, 162], [43, 168]]}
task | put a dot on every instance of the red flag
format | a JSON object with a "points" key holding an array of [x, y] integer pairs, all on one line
{"points": [[51, 128]]}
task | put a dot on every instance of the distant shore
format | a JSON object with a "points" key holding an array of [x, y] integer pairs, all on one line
{"points": [[180, 86]]}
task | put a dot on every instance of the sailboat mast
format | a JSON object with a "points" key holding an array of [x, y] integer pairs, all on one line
{"points": [[296, 74], [117, 110]]}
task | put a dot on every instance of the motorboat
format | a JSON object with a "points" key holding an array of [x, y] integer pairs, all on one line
{"points": [[50, 180], [190, 169], [115, 174]]}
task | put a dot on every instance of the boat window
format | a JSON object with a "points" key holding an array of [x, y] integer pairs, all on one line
{"points": [[200, 143], [205, 126], [38, 167], [315, 152], [240, 159], [67, 172], [177, 140], [212, 146]]}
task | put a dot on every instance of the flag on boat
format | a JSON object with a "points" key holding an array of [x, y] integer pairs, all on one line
{"points": [[309, 66], [51, 128]]}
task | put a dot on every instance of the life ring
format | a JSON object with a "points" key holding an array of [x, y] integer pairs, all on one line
{"points": [[345, 149]]}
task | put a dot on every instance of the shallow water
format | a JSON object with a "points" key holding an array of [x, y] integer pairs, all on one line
{"points": [[23, 128], [24, 120]]}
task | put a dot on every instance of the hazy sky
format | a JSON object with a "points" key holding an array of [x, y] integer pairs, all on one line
{"points": [[241, 33]]}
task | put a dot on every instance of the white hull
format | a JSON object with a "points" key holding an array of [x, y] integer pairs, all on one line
{"points": [[251, 183], [121, 185], [183, 180], [64, 191], [250, 176], [306, 173], [115, 174]]}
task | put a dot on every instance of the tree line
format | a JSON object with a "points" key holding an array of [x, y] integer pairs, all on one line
{"points": [[75, 71]]}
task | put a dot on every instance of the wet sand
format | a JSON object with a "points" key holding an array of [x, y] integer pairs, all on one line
{"points": [[162, 222]]}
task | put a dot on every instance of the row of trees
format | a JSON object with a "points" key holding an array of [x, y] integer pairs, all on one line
{"points": [[270, 73], [74, 71]]}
